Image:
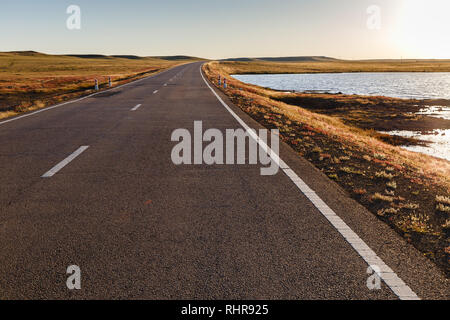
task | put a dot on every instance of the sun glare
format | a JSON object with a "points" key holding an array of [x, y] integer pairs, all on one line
{"points": [[424, 29]]}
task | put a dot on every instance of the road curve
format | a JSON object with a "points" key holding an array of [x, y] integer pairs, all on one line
{"points": [[91, 183]]}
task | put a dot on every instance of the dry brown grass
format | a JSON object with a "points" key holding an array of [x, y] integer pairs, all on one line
{"points": [[384, 175], [30, 81], [379, 197], [361, 163], [261, 67], [443, 208], [432, 169], [388, 211], [443, 199]]}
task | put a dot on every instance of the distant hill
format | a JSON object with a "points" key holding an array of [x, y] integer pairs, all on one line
{"points": [[25, 53], [127, 57], [172, 58], [298, 59], [239, 59], [132, 57], [96, 56], [88, 56], [285, 59]]}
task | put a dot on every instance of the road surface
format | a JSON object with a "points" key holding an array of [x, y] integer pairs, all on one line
{"points": [[91, 183]]}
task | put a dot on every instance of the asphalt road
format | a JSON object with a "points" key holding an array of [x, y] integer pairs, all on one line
{"points": [[140, 227]]}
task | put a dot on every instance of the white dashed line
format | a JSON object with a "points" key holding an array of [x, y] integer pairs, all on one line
{"points": [[137, 107], [82, 98], [156, 91], [65, 162], [398, 287]]}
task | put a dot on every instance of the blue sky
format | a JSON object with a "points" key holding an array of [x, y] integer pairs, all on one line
{"points": [[229, 28]]}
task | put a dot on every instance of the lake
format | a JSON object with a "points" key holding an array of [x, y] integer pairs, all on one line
{"points": [[398, 85], [439, 142], [409, 85]]}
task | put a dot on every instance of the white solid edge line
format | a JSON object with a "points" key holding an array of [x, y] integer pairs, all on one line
{"points": [[137, 107], [397, 285], [83, 98], [65, 162]]}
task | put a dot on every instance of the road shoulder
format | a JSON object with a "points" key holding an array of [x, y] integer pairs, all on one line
{"points": [[410, 265]]}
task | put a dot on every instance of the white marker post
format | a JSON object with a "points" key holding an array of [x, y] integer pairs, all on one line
{"points": [[220, 81], [224, 83], [96, 85], [110, 82]]}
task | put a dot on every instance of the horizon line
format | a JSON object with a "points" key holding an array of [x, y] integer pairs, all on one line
{"points": [[228, 58]]}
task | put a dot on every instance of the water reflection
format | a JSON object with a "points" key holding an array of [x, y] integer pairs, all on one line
{"points": [[436, 112], [439, 142], [409, 85], [415, 85]]}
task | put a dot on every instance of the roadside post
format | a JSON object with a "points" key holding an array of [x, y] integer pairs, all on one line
{"points": [[224, 83], [220, 81], [96, 85], [110, 82]]}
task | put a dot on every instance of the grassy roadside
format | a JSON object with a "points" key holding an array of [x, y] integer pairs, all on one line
{"points": [[408, 191], [30, 80], [334, 66], [372, 113]]}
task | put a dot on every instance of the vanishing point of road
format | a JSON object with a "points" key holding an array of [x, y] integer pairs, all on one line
{"points": [[91, 183]]}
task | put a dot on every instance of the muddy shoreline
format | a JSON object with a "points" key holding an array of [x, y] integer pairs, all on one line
{"points": [[409, 191], [373, 113]]}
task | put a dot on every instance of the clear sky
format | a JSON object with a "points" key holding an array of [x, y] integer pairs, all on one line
{"points": [[231, 28]]}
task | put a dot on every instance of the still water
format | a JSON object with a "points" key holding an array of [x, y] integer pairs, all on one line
{"points": [[410, 85], [439, 142], [399, 85]]}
